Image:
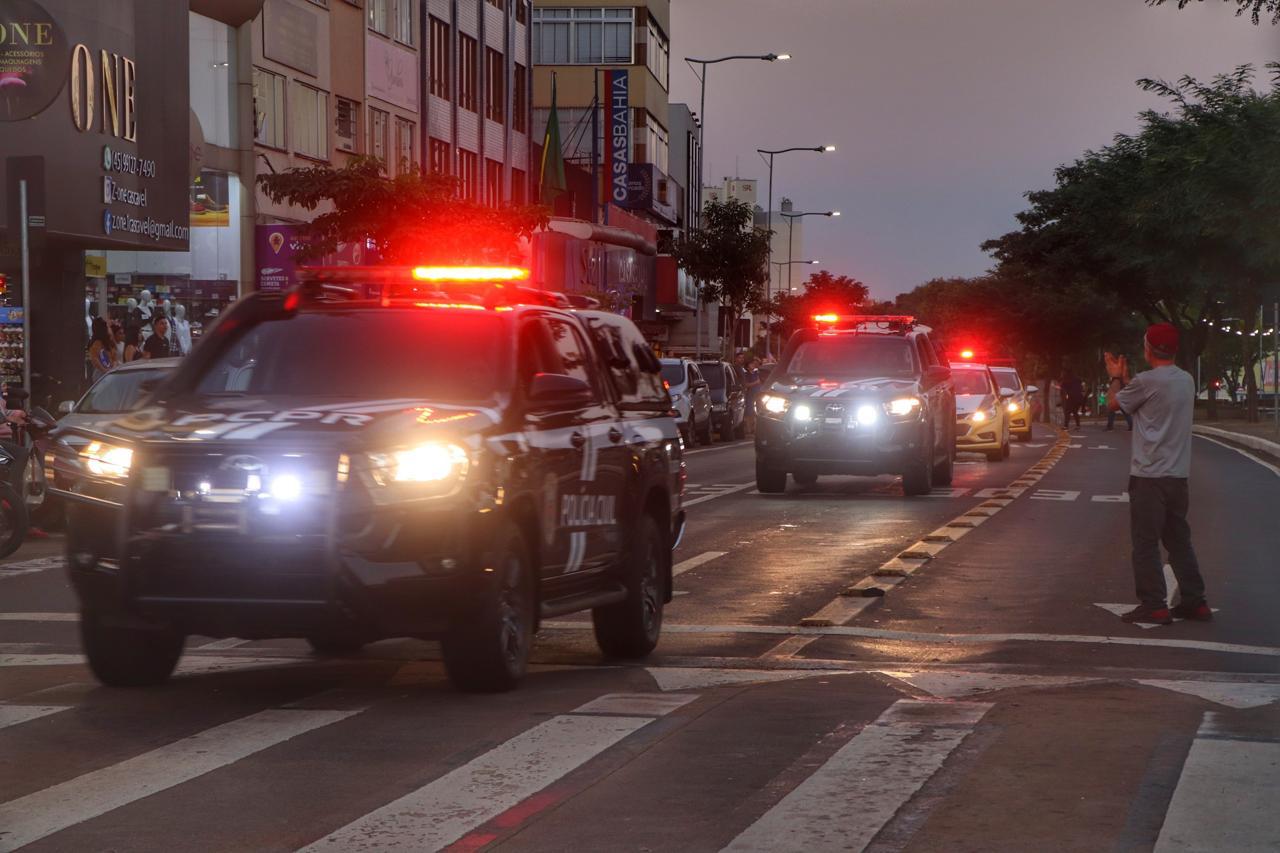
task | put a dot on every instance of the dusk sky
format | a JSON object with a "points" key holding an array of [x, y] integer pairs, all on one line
{"points": [[945, 111]]}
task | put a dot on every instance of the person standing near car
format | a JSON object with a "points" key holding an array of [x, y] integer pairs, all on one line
{"points": [[101, 353], [750, 390], [1161, 402], [158, 345]]}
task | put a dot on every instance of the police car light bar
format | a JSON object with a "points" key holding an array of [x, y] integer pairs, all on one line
{"points": [[899, 322], [463, 274]]}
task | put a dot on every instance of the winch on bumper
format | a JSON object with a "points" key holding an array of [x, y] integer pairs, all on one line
{"points": [[183, 542]]}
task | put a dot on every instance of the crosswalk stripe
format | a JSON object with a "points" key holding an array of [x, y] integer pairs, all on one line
{"points": [[443, 811], [1224, 778], [53, 809], [849, 799], [721, 492], [12, 715], [693, 562]]}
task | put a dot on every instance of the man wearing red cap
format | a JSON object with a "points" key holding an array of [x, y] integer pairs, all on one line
{"points": [[1160, 401]]}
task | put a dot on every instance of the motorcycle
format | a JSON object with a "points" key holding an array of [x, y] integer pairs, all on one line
{"points": [[13, 509]]}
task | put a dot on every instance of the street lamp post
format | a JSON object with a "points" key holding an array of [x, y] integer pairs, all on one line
{"points": [[791, 218], [702, 118], [780, 265], [768, 215]]}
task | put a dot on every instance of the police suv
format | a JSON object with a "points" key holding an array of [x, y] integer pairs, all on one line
{"points": [[857, 394], [436, 452]]}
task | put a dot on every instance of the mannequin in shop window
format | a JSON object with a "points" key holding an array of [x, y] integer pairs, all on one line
{"points": [[182, 329], [146, 309]]}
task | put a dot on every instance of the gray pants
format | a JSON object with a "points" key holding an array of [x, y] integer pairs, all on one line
{"points": [[1158, 513]]}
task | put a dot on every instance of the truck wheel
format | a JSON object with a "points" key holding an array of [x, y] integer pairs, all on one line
{"points": [[770, 481], [631, 628], [740, 431], [487, 650], [944, 471], [726, 428], [129, 657], [918, 479]]}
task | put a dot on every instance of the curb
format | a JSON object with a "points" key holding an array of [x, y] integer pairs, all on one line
{"points": [[1253, 442], [871, 590]]}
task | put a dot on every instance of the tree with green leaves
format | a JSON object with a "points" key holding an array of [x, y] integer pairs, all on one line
{"points": [[729, 256], [414, 218], [1253, 8], [822, 293]]}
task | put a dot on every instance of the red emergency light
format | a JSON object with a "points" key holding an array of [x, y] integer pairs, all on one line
{"points": [[460, 274], [966, 354]]}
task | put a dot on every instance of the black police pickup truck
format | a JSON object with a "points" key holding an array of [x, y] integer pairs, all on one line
{"points": [[383, 453], [857, 395]]}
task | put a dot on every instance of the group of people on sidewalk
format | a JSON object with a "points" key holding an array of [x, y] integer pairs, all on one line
{"points": [[114, 343]]}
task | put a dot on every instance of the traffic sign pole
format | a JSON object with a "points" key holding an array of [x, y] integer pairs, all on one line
{"points": [[26, 286]]}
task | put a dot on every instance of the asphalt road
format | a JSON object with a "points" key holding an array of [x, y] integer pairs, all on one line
{"points": [[984, 697]]}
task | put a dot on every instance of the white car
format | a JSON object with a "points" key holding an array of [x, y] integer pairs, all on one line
{"points": [[690, 399]]}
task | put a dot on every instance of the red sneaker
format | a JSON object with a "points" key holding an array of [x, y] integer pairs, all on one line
{"points": [[1198, 611], [1148, 615]]}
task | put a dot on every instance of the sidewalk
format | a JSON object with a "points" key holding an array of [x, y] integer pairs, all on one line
{"points": [[1261, 437]]}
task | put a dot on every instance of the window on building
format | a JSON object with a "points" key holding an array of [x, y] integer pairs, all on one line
{"points": [[492, 182], [495, 81], [583, 36], [406, 151], [346, 125], [404, 21], [520, 99], [657, 144], [469, 173], [522, 11], [519, 186], [441, 59], [268, 108], [309, 121], [467, 48], [438, 152], [380, 16], [378, 121], [658, 54]]}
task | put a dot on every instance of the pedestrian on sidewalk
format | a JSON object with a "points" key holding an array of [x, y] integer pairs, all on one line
{"points": [[1072, 399], [1160, 402]]}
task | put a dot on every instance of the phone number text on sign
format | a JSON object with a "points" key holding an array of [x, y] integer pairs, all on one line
{"points": [[129, 164]]}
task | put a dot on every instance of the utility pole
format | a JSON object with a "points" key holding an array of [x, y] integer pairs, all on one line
{"points": [[24, 225]]}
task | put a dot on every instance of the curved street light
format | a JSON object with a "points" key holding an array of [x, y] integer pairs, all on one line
{"points": [[702, 147], [791, 218]]}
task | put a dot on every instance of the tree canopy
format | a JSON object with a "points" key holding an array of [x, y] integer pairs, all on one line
{"points": [[822, 293], [1253, 8], [728, 255], [415, 217]]}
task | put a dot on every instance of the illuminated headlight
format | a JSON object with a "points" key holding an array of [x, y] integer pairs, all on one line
{"points": [[286, 487], [979, 417], [803, 413], [903, 406], [106, 460], [774, 405], [866, 415], [432, 462], [1014, 407]]}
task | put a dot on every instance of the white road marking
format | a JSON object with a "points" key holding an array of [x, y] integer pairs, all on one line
{"points": [[693, 562], [728, 446], [1102, 447], [225, 643], [12, 715], [1219, 803], [849, 799], [1233, 694], [694, 678], [1034, 445], [1122, 498], [1246, 454], [719, 494], [53, 809], [39, 617], [1054, 495], [636, 704], [939, 639], [948, 493], [957, 685], [189, 665], [442, 811], [26, 567]]}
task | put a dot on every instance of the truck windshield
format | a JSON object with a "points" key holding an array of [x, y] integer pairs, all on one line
{"points": [[437, 355], [852, 357]]}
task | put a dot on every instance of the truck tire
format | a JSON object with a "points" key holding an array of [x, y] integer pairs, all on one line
{"points": [[487, 650], [770, 481], [918, 479], [631, 628], [128, 656]]}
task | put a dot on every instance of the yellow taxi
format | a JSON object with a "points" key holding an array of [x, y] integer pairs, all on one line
{"points": [[982, 415], [1018, 406]]}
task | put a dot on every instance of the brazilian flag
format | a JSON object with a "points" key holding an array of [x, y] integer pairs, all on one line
{"points": [[551, 180]]}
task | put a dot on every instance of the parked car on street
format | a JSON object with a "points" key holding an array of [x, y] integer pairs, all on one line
{"points": [[690, 399], [728, 399]]}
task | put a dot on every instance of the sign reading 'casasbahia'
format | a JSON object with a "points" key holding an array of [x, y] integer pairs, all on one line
{"points": [[110, 166]]}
